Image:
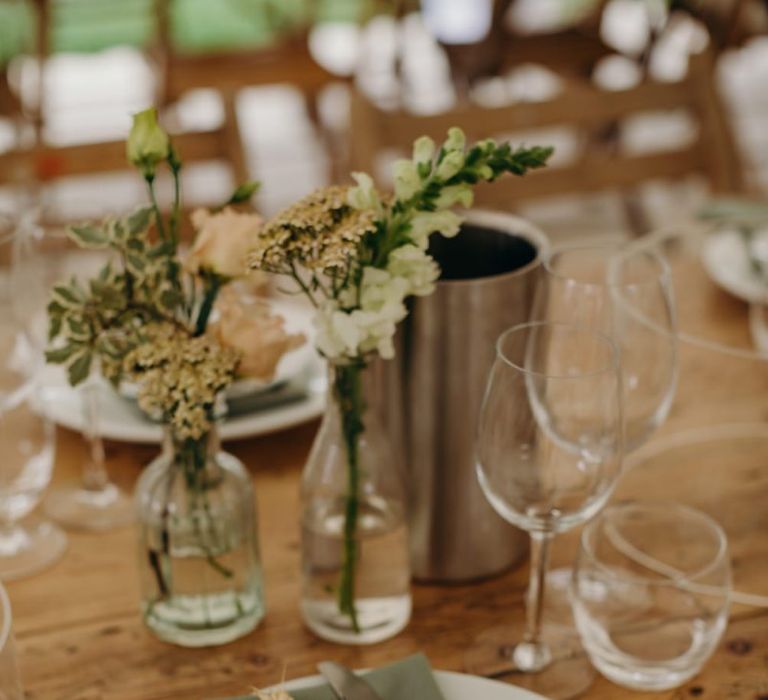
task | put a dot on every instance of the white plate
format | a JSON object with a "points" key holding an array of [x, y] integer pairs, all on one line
{"points": [[454, 686], [121, 419], [726, 260]]}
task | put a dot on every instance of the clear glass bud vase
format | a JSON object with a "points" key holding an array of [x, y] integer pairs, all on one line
{"points": [[198, 545], [355, 563]]}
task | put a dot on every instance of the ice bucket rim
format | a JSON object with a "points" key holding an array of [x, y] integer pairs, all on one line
{"points": [[512, 226]]}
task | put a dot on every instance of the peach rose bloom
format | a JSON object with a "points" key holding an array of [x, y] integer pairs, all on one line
{"points": [[252, 329], [223, 241]]}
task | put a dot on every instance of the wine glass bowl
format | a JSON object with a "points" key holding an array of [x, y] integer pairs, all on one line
{"points": [[627, 295], [27, 438], [548, 445]]}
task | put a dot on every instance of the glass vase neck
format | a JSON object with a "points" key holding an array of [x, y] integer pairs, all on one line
{"points": [[207, 444]]}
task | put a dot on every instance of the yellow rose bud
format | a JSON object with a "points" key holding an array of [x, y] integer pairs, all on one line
{"points": [[147, 143]]}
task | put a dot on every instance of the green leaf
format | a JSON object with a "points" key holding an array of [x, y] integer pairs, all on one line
{"points": [[89, 236], [77, 329], [169, 299], [161, 249], [54, 326], [135, 244], [66, 296], [118, 230], [244, 192], [138, 222], [62, 354], [106, 272], [135, 262], [79, 368], [107, 295]]}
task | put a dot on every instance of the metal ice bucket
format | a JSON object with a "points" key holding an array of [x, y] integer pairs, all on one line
{"points": [[430, 394]]}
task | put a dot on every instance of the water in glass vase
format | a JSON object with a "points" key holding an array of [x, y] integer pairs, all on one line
{"points": [[199, 557], [382, 573], [213, 596]]}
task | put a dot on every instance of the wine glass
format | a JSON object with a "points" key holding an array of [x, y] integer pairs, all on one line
{"points": [[27, 437], [10, 681], [549, 449], [627, 295], [94, 503]]}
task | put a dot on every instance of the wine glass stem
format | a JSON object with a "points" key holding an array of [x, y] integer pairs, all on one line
{"points": [[532, 654], [95, 477], [535, 603]]}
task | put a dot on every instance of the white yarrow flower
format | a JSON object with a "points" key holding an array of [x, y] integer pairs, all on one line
{"points": [[415, 266]]}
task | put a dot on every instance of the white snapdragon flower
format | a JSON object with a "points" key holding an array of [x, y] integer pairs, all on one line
{"points": [[455, 194], [381, 309], [452, 162], [345, 334], [407, 180], [456, 140], [414, 265], [338, 335], [379, 289], [364, 195], [425, 223], [423, 150], [484, 172], [377, 329]]}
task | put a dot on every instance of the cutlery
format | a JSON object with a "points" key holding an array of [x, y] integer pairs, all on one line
{"points": [[345, 684]]}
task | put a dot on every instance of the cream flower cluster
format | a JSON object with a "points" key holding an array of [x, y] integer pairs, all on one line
{"points": [[345, 329]]}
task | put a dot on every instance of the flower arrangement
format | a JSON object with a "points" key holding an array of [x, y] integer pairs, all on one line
{"points": [[358, 254], [146, 318]]}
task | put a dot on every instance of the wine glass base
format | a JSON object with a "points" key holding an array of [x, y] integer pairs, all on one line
{"points": [[28, 548], [567, 675], [84, 509]]}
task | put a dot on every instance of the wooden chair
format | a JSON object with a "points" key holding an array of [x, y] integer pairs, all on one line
{"points": [[43, 162], [581, 108], [287, 61]]}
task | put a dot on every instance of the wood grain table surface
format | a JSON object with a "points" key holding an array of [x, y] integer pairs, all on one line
{"points": [[80, 636]]}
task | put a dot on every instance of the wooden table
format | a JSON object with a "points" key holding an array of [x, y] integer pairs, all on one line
{"points": [[80, 636]]}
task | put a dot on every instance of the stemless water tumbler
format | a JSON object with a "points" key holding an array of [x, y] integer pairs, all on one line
{"points": [[650, 593]]}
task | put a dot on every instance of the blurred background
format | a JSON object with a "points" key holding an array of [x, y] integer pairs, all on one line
{"points": [[653, 105]]}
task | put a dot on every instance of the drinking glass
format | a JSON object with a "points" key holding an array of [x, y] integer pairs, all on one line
{"points": [[10, 683], [548, 456], [650, 592], [26, 434], [627, 295], [94, 503]]}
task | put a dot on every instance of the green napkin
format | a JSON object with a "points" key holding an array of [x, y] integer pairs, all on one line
{"points": [[408, 679]]}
